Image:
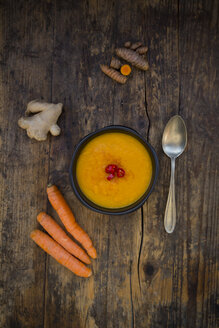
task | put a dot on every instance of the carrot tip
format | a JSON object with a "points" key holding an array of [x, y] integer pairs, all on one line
{"points": [[33, 233], [93, 253], [39, 216]]}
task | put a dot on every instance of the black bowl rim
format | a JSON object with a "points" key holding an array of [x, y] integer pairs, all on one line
{"points": [[105, 210]]}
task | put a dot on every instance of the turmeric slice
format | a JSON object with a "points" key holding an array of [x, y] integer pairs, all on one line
{"points": [[125, 69], [133, 58], [142, 50], [115, 63], [136, 45], [113, 74]]}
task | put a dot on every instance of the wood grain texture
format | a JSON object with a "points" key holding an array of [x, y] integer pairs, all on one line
{"points": [[84, 111], [162, 96], [199, 105], [142, 277], [25, 72]]}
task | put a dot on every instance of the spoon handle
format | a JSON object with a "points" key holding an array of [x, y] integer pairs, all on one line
{"points": [[170, 212]]}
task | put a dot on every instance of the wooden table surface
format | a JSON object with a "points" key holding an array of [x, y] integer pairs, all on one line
{"points": [[143, 277]]}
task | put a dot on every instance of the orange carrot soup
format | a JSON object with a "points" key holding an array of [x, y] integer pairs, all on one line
{"points": [[114, 170]]}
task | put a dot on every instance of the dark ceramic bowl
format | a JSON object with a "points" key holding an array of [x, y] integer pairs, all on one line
{"points": [[89, 203]]}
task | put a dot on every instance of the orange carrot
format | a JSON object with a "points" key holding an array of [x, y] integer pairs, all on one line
{"points": [[66, 216], [61, 237], [60, 254]]}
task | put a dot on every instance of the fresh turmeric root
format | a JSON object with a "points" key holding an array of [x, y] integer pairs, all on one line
{"points": [[127, 44], [132, 53], [113, 74], [115, 63], [142, 50], [132, 57], [135, 45]]}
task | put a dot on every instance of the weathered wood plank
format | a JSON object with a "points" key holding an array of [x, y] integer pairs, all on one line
{"points": [[129, 105], [80, 44], [162, 96], [26, 41], [178, 267], [198, 203]]}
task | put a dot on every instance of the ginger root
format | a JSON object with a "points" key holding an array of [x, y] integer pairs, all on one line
{"points": [[132, 57], [40, 124], [113, 74]]}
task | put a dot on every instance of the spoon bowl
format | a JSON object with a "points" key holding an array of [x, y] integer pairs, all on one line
{"points": [[174, 137], [174, 143]]}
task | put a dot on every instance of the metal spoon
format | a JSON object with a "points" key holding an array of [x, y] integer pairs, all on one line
{"points": [[173, 142]]}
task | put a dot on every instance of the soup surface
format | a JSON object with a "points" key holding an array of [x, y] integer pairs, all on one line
{"points": [[124, 151]]}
